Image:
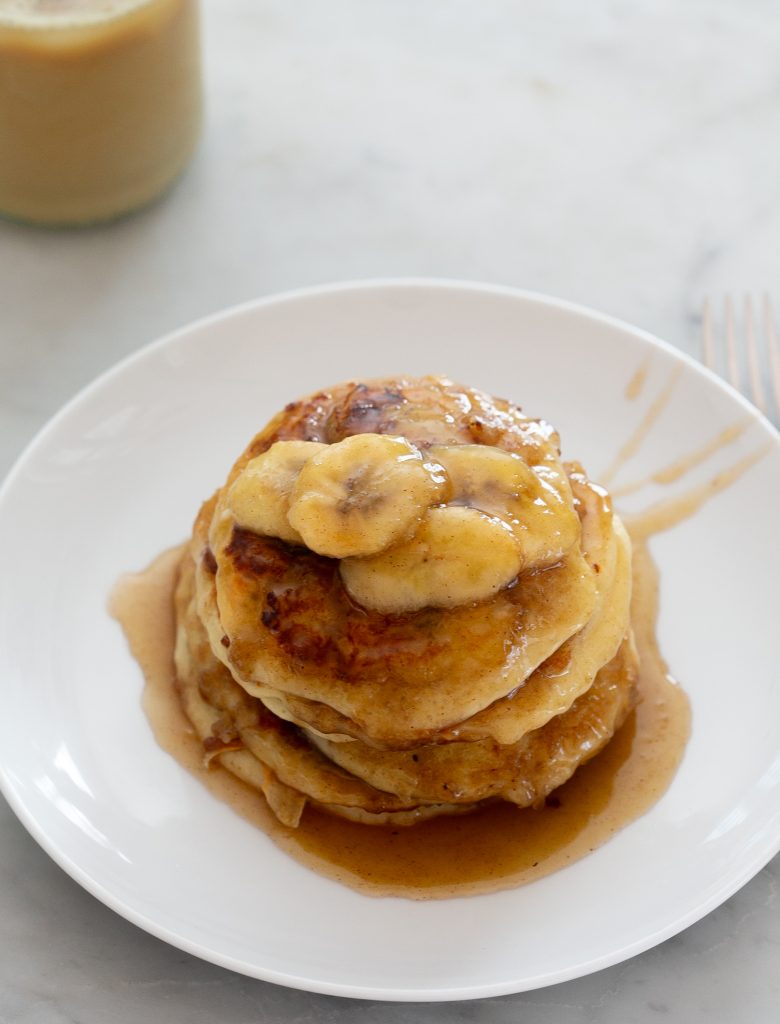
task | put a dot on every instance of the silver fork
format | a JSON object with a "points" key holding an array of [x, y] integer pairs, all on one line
{"points": [[736, 353]]}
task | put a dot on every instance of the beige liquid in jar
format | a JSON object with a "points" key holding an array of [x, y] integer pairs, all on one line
{"points": [[100, 105]]}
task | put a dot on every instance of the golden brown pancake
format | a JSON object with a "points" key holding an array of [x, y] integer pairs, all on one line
{"points": [[521, 772], [281, 619], [560, 679], [363, 783]]}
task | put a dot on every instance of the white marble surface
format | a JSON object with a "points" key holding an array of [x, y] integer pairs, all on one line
{"points": [[624, 154]]}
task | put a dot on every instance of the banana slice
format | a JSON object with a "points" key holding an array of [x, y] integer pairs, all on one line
{"points": [[259, 498], [458, 556], [362, 494], [537, 505]]}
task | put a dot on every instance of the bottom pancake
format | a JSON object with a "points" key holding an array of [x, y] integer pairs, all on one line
{"points": [[349, 779]]}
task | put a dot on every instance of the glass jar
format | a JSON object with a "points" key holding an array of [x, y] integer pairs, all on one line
{"points": [[100, 105]]}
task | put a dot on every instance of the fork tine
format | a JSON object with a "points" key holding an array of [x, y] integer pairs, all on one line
{"points": [[760, 374], [707, 342], [774, 352], [756, 384], [731, 343]]}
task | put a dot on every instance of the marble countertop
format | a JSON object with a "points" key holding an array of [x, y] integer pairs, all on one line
{"points": [[624, 154]]}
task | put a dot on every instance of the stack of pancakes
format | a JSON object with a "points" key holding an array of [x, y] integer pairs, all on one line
{"points": [[395, 716]]}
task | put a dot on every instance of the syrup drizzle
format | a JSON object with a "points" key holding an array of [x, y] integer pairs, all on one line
{"points": [[681, 467], [636, 385], [654, 411]]}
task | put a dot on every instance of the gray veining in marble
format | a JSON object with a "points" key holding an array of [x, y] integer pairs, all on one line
{"points": [[624, 154]]}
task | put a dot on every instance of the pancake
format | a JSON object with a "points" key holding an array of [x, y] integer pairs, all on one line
{"points": [[291, 626], [359, 782], [427, 411], [282, 622], [521, 773], [550, 689]]}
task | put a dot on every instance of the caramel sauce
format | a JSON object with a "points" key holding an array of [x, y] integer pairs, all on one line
{"points": [[646, 424], [496, 848], [637, 382], [666, 514], [680, 467]]}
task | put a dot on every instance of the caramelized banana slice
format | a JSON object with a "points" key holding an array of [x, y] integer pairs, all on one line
{"points": [[260, 496], [458, 556], [537, 505], [359, 496]]}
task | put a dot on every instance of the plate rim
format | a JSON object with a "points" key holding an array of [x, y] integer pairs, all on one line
{"points": [[760, 855]]}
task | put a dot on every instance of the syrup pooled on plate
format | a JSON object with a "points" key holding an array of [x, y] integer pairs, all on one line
{"points": [[498, 847]]}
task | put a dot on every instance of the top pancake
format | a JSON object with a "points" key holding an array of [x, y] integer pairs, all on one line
{"points": [[560, 680], [280, 619]]}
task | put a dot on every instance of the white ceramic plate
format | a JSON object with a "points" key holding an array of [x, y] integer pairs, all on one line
{"points": [[117, 476]]}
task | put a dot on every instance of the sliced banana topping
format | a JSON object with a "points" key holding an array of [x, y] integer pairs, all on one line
{"points": [[537, 507], [458, 556], [259, 498], [362, 494]]}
